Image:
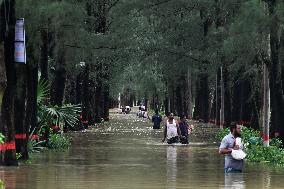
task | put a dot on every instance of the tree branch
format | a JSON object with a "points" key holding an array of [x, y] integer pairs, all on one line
{"points": [[112, 5], [94, 48], [155, 4]]}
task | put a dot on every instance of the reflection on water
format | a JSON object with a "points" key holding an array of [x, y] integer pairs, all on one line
{"points": [[129, 154], [171, 167], [267, 179], [234, 181]]}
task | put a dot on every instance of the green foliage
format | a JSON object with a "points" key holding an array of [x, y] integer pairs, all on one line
{"points": [[48, 115], [65, 115], [35, 146], [254, 148], [28, 162], [18, 155], [2, 137], [2, 185], [43, 90], [247, 133], [220, 135], [271, 154], [58, 142]]}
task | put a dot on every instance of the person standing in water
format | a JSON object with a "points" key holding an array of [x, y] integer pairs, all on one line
{"points": [[171, 130], [184, 127], [156, 119], [227, 145]]}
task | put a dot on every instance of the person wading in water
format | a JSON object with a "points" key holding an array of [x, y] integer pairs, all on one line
{"points": [[156, 119], [228, 144], [171, 130], [184, 127]]}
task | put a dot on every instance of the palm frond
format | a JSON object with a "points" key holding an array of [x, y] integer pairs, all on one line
{"points": [[43, 89], [68, 113]]}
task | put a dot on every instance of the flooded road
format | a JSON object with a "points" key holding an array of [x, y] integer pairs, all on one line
{"points": [[127, 153]]}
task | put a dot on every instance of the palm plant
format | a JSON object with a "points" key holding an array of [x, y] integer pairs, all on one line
{"points": [[65, 115]]}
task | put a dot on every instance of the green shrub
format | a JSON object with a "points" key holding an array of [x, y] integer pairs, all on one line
{"points": [[271, 154], [58, 142], [247, 134]]}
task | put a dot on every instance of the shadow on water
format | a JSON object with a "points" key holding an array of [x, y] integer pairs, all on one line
{"points": [[127, 153]]}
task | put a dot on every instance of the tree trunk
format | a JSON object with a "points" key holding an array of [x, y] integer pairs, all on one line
{"points": [[8, 149], [31, 114], [98, 93], [277, 101], [58, 85], [20, 109], [44, 54], [222, 109], [179, 100], [189, 93], [227, 97], [201, 110], [266, 106], [85, 97]]}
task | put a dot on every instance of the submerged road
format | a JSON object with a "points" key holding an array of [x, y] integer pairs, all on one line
{"points": [[127, 153]]}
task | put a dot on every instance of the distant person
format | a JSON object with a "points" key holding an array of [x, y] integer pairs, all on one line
{"points": [[127, 109], [171, 130], [184, 127], [141, 114], [145, 115], [228, 144], [123, 109], [156, 119]]}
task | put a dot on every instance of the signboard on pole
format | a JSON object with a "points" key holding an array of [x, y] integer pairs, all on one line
{"points": [[20, 46]]}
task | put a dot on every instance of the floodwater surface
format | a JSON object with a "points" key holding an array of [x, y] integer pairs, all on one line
{"points": [[127, 153]]}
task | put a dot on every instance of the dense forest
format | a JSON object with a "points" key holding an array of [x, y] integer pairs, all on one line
{"points": [[215, 61]]}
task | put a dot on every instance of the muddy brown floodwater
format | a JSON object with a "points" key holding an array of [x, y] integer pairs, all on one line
{"points": [[127, 153]]}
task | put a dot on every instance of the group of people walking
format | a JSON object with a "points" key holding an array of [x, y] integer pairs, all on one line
{"points": [[174, 131], [178, 132]]}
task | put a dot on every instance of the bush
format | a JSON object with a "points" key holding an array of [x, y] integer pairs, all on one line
{"points": [[58, 142], [271, 154], [254, 148], [247, 134]]}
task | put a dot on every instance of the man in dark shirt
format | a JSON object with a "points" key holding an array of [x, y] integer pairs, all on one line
{"points": [[156, 119], [184, 130]]}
